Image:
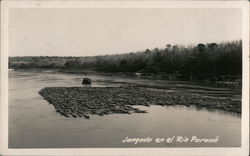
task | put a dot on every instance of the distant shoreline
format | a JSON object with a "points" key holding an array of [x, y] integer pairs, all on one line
{"points": [[228, 84], [210, 63]]}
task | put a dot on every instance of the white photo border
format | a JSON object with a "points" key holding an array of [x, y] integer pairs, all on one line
{"points": [[7, 5]]}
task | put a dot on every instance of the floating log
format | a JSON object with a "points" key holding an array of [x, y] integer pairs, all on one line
{"points": [[74, 115], [86, 116]]}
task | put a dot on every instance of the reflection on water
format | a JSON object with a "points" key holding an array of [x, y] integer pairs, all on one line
{"points": [[33, 123]]}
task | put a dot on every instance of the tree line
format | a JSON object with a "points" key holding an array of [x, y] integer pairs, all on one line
{"points": [[201, 61]]}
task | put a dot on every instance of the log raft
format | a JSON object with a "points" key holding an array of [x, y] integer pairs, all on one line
{"points": [[84, 101]]}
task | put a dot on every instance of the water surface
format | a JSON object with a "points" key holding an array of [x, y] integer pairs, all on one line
{"points": [[33, 123]]}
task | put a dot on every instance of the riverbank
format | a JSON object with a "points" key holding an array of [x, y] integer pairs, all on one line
{"points": [[234, 83], [85, 101]]}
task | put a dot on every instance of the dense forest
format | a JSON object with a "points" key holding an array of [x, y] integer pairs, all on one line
{"points": [[210, 61]]}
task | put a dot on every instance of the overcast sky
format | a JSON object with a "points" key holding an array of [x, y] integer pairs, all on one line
{"points": [[88, 32]]}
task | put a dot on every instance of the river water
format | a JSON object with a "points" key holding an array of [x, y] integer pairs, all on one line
{"points": [[33, 123]]}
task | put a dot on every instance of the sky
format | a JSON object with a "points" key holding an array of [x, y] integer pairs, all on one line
{"points": [[100, 31]]}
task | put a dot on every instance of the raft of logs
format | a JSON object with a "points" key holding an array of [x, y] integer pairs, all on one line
{"points": [[82, 101]]}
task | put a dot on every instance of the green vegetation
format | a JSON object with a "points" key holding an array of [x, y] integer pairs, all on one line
{"points": [[213, 62]]}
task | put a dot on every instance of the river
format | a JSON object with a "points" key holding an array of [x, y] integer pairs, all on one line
{"points": [[33, 123]]}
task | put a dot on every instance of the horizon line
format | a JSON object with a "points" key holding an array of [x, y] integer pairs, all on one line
{"points": [[160, 48]]}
